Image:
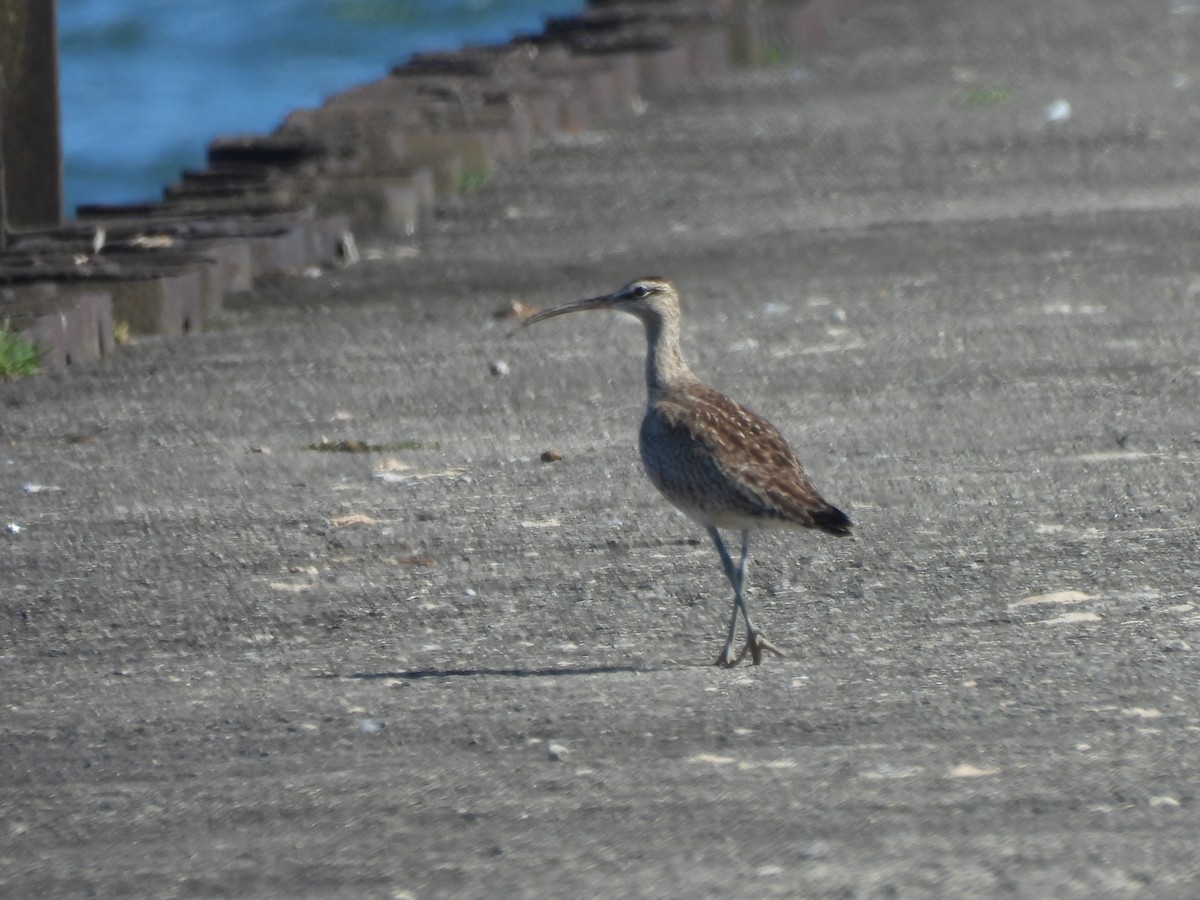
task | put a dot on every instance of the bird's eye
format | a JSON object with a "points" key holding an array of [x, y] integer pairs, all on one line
{"points": [[639, 291]]}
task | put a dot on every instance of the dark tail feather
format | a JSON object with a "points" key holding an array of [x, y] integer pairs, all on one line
{"points": [[832, 520]]}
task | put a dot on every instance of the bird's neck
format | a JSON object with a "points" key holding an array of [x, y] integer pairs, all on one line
{"points": [[664, 359]]}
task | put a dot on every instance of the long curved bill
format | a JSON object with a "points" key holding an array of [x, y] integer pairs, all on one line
{"points": [[575, 306]]}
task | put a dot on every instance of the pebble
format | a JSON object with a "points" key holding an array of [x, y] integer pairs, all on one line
{"points": [[1058, 111], [499, 368]]}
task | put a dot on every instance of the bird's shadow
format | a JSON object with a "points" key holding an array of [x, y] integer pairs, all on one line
{"points": [[547, 672]]}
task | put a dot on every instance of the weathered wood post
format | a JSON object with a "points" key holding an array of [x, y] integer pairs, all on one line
{"points": [[31, 176]]}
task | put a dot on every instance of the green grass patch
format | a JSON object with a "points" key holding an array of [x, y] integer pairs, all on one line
{"points": [[774, 55], [992, 96], [19, 356], [475, 180]]}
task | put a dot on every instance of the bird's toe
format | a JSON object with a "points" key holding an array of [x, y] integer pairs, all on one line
{"points": [[756, 643], [725, 662]]}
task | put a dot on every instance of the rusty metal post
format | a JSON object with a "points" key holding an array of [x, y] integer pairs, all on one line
{"points": [[31, 177]]}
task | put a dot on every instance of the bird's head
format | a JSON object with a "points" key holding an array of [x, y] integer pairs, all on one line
{"points": [[653, 300]]}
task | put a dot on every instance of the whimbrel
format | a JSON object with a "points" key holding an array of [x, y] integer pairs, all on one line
{"points": [[715, 460]]}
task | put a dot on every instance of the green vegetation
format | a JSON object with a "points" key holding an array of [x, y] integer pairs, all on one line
{"points": [[475, 180], [985, 96], [773, 55], [19, 356]]}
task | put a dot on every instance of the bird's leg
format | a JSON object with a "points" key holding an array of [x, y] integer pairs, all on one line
{"points": [[756, 642], [732, 574]]}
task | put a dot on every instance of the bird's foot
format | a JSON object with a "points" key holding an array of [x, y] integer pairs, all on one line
{"points": [[756, 643]]}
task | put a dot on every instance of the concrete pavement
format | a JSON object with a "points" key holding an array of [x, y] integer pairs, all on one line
{"points": [[237, 665]]}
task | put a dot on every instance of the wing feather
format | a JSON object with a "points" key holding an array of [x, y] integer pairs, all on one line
{"points": [[760, 470]]}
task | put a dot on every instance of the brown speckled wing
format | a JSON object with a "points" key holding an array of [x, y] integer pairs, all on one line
{"points": [[747, 465]]}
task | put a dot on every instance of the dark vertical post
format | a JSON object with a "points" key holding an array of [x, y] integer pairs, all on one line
{"points": [[31, 192], [3, 173]]}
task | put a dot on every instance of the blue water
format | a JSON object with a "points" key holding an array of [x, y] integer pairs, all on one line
{"points": [[146, 84]]}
